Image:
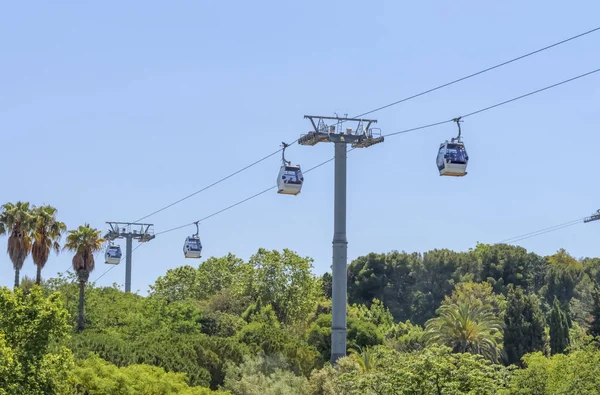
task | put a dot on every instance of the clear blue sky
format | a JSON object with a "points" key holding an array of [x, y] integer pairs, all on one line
{"points": [[110, 110]]}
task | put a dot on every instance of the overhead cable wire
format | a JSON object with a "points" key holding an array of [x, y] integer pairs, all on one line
{"points": [[531, 93], [480, 72], [541, 231], [548, 231], [495, 105], [210, 186], [109, 269], [71, 265], [113, 266], [378, 109], [510, 240], [390, 134], [240, 202]]}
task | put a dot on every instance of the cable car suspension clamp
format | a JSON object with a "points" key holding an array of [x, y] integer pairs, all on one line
{"points": [[458, 121], [285, 162]]}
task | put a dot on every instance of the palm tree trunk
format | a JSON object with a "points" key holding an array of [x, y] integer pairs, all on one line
{"points": [[17, 272], [38, 277], [80, 323]]}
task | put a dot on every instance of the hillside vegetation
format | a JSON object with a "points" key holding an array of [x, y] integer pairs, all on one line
{"points": [[494, 320]]}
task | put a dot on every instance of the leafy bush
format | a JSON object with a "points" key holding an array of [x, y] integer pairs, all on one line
{"points": [[94, 376], [264, 375]]}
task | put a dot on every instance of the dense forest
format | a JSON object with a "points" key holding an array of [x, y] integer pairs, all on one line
{"points": [[496, 319]]}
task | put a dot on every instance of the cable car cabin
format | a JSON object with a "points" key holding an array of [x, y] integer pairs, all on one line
{"points": [[290, 180], [192, 247], [113, 255], [452, 159]]}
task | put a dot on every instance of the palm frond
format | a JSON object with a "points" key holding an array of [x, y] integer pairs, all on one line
{"points": [[466, 328], [16, 220], [46, 232], [84, 242]]}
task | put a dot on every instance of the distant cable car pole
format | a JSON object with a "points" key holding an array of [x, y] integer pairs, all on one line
{"points": [[123, 230], [361, 137], [593, 217]]}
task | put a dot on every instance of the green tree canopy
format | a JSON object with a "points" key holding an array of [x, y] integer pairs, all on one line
{"points": [[31, 327], [284, 280], [477, 294], [503, 264], [435, 370], [564, 273], [359, 333], [575, 373]]}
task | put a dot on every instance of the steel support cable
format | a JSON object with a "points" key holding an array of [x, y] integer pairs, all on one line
{"points": [[509, 240], [378, 109], [495, 105], [109, 269], [211, 185], [113, 266], [482, 71], [392, 134], [541, 231], [548, 231], [240, 202], [517, 238]]}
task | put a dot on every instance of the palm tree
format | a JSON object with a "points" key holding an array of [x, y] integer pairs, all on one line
{"points": [[466, 328], [83, 242], [365, 358], [16, 221], [46, 234]]}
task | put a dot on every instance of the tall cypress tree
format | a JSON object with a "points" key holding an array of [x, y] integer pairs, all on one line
{"points": [[559, 329], [327, 284], [523, 325], [595, 326]]}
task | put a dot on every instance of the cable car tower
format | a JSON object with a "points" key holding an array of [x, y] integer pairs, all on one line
{"points": [[129, 231], [593, 217], [361, 137]]}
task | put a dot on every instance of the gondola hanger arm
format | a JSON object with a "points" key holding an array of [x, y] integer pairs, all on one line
{"points": [[458, 121], [284, 145]]}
